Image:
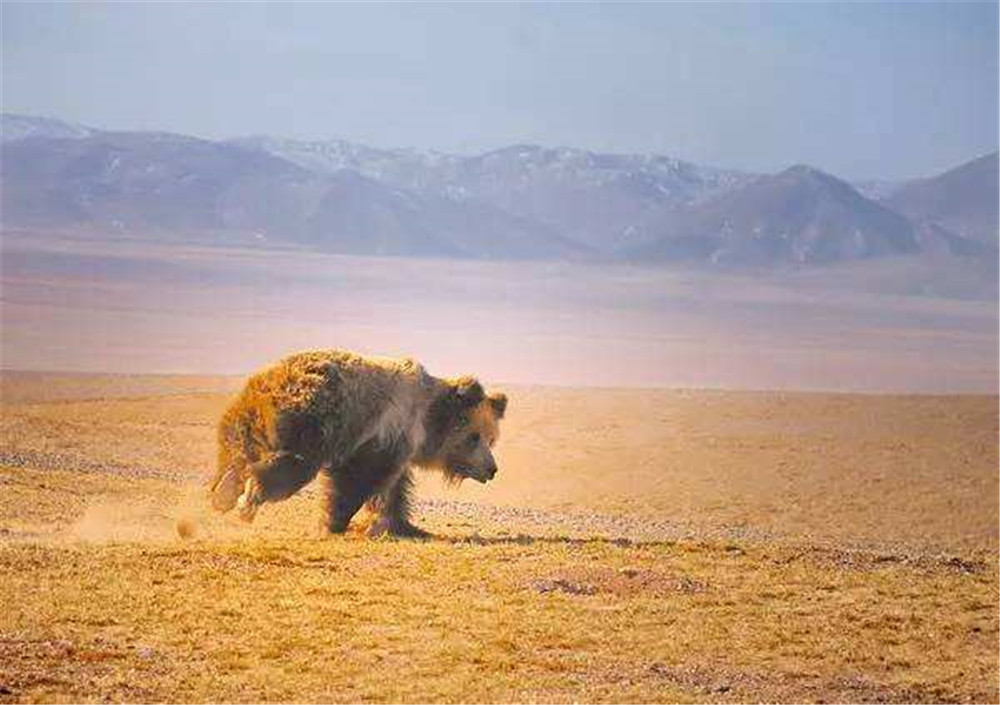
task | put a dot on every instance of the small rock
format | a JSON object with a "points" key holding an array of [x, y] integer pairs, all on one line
{"points": [[63, 644], [561, 585], [186, 528]]}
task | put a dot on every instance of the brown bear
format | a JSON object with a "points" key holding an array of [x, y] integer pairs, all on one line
{"points": [[363, 423]]}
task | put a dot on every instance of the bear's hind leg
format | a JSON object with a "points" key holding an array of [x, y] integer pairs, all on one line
{"points": [[233, 467], [277, 477], [225, 490]]}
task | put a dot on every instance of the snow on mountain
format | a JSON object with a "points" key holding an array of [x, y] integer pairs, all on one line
{"points": [[520, 201], [800, 216], [597, 200], [163, 185], [18, 127]]}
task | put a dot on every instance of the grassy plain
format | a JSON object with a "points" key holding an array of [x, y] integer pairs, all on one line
{"points": [[637, 546]]}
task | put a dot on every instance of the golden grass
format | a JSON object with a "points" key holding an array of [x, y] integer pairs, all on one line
{"points": [[102, 600], [348, 619]]}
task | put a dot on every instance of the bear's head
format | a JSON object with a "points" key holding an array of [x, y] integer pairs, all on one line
{"points": [[463, 424]]}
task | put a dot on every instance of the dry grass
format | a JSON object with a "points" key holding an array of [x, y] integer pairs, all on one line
{"points": [[774, 582], [918, 470]]}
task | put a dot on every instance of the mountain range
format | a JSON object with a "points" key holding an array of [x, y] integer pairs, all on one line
{"points": [[518, 202]]}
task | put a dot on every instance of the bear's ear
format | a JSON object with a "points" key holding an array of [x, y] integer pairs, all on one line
{"points": [[468, 392], [499, 403]]}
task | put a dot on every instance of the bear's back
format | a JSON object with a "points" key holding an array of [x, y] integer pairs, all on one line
{"points": [[342, 392]]}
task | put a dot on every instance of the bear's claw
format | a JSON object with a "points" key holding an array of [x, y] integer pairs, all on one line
{"points": [[397, 530], [250, 500]]}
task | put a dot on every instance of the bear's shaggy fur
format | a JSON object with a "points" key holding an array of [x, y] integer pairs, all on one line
{"points": [[363, 423]]}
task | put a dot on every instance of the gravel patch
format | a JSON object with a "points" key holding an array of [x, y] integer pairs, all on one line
{"points": [[491, 524], [495, 520], [76, 463]]}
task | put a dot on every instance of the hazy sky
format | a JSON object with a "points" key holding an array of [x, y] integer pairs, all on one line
{"points": [[876, 89]]}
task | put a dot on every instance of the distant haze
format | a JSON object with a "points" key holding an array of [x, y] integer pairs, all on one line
{"points": [[130, 306], [863, 90]]}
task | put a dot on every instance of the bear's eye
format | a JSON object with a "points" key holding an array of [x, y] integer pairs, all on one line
{"points": [[474, 439]]}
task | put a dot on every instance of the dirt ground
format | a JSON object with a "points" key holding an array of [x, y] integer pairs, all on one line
{"points": [[637, 546]]}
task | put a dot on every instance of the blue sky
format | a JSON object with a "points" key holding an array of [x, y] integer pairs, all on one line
{"points": [[873, 89]]}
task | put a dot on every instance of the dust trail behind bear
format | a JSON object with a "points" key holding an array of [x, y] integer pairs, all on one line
{"points": [[183, 513]]}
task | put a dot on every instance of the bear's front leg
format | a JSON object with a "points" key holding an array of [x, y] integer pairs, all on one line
{"points": [[365, 474], [343, 494], [393, 505]]}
